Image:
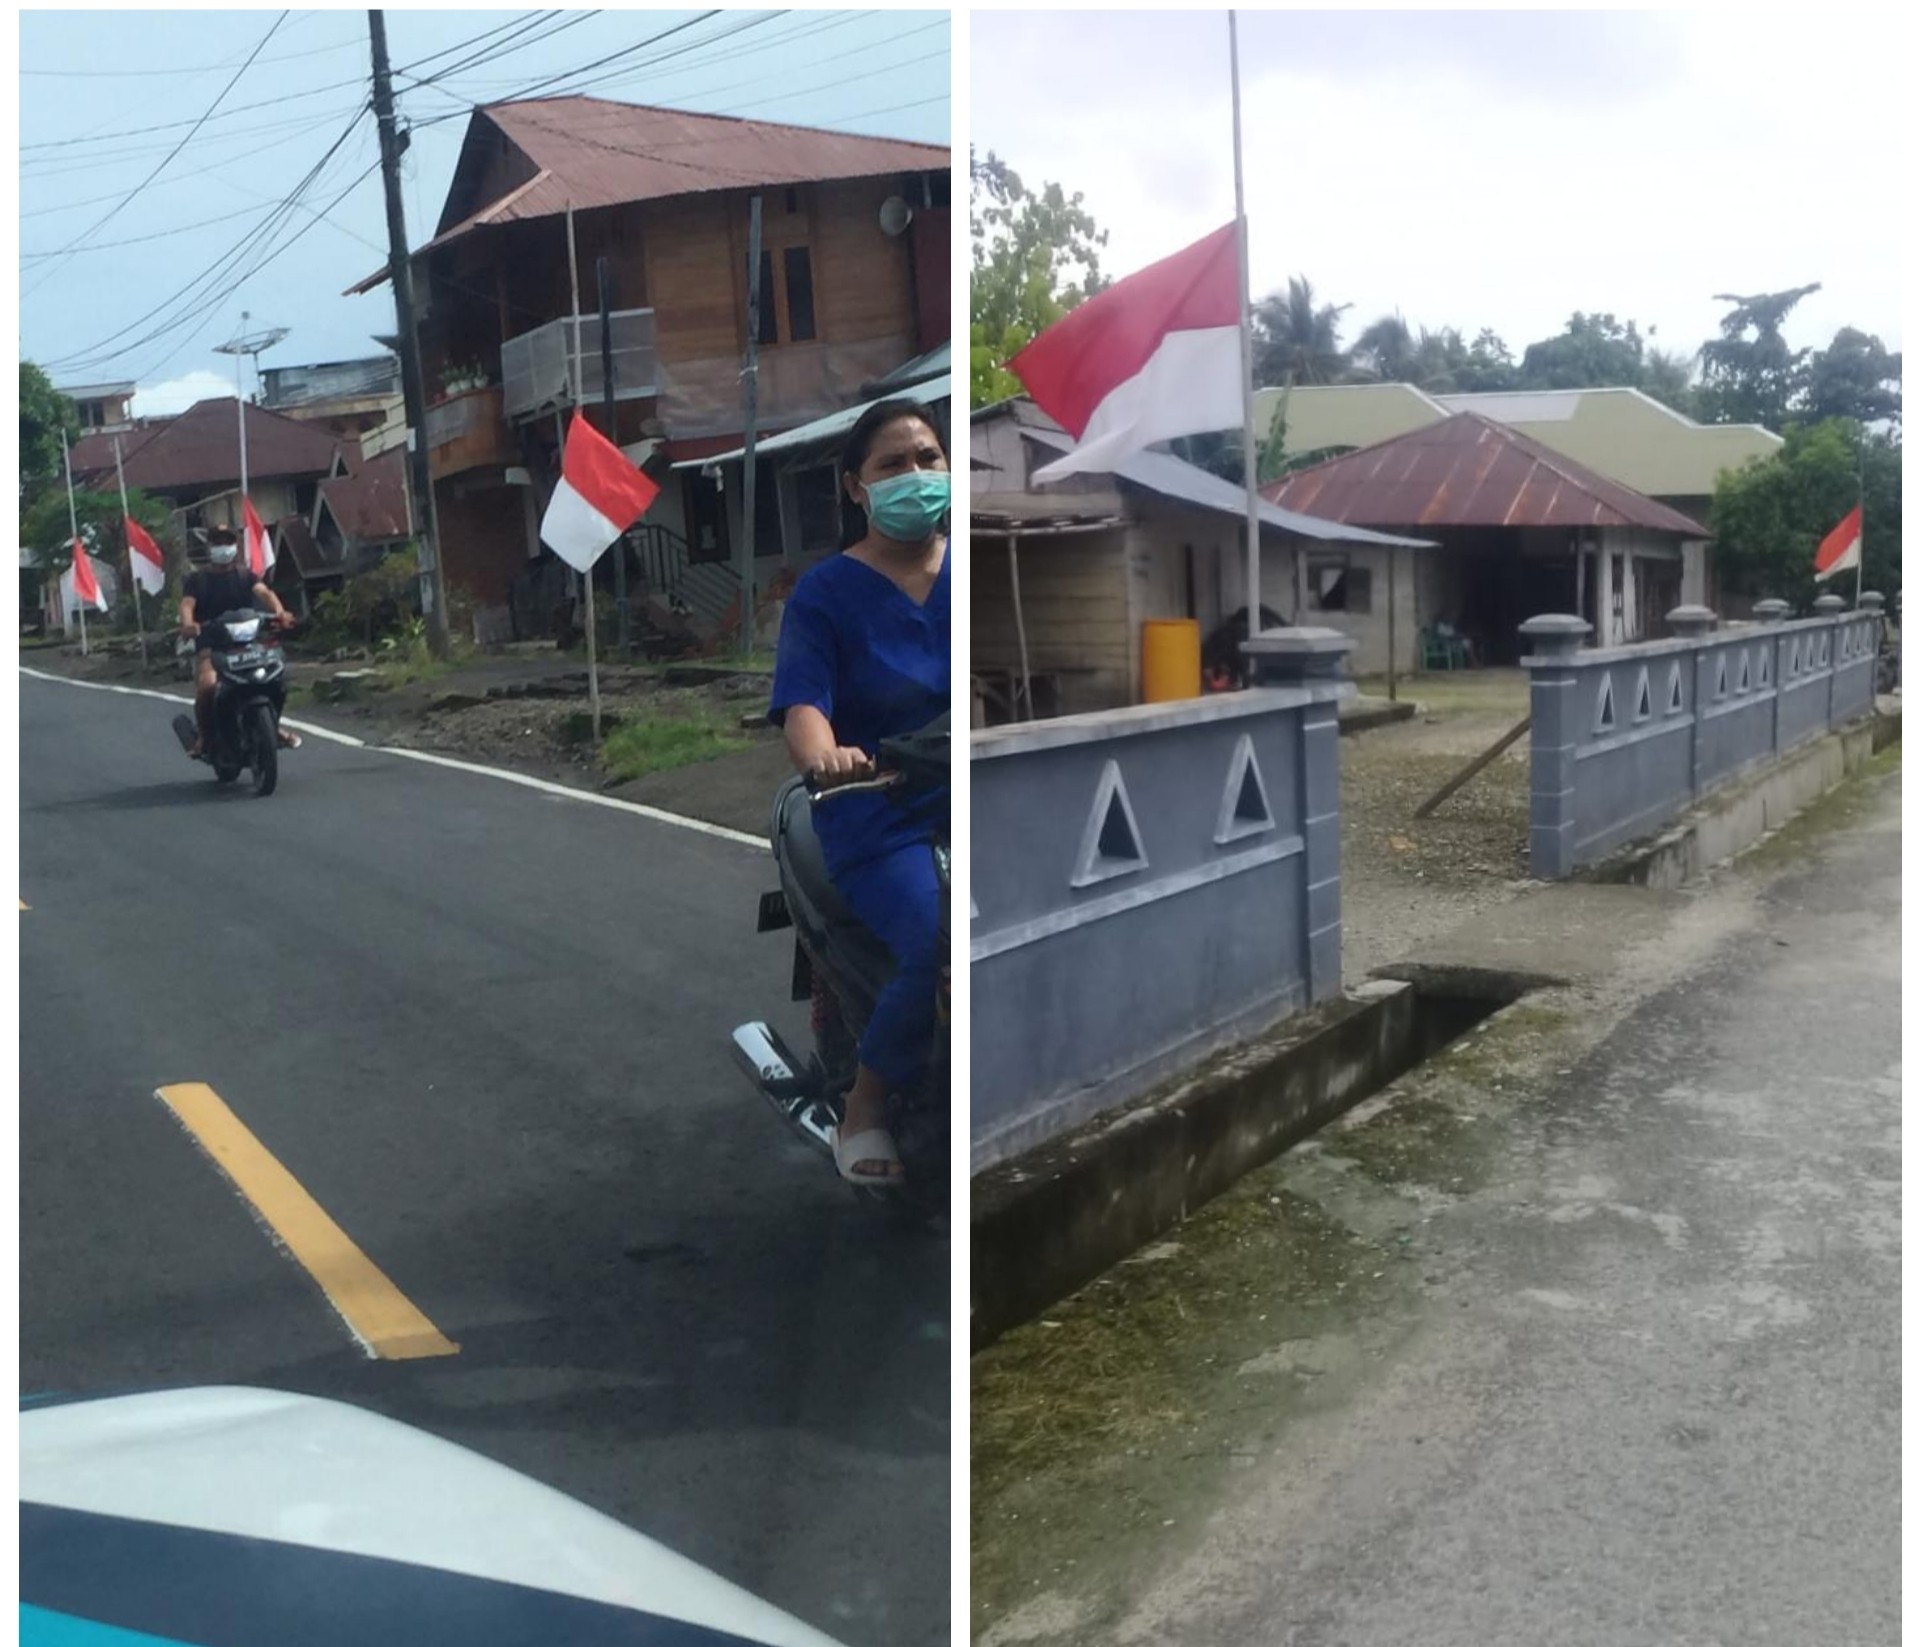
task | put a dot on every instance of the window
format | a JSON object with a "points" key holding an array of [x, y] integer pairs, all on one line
{"points": [[769, 319], [817, 497], [793, 201], [799, 295], [1335, 585]]}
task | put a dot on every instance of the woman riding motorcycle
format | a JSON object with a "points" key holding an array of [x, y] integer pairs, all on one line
{"points": [[864, 655]]}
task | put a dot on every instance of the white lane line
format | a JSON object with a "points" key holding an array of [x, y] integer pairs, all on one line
{"points": [[698, 825]]}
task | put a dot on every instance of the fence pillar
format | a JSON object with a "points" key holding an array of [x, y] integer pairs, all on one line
{"points": [[1772, 612], [1693, 623], [1313, 657], [1555, 639], [1830, 607]]}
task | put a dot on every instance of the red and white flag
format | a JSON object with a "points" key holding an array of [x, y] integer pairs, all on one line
{"points": [[599, 496], [1839, 550], [259, 545], [149, 565], [1153, 357], [86, 586]]}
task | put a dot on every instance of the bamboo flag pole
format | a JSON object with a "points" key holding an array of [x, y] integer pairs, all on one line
{"points": [[133, 576], [1249, 445], [73, 523], [586, 577]]}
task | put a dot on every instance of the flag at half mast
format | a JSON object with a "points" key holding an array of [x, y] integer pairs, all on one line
{"points": [[1839, 550], [1153, 357]]}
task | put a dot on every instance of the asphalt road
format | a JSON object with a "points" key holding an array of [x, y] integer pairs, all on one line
{"points": [[486, 1029], [1663, 1409]]}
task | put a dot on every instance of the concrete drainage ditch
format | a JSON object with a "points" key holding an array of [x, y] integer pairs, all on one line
{"points": [[1046, 1223]]}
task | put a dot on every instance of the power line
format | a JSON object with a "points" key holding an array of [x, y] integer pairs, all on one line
{"points": [[175, 74], [207, 277], [49, 166], [141, 240], [462, 45], [133, 194], [814, 91], [205, 171], [507, 47]]}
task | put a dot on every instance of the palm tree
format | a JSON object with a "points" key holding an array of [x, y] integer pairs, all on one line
{"points": [[1296, 342], [1384, 352]]}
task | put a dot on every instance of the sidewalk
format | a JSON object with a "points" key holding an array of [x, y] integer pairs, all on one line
{"points": [[1587, 1332]]}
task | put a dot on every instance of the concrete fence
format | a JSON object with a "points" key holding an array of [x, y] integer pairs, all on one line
{"points": [[1150, 885], [1625, 739]]}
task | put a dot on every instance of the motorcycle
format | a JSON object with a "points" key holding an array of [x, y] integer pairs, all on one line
{"points": [[250, 672], [839, 967]]}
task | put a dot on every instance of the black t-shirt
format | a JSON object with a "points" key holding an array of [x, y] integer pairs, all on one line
{"points": [[216, 593]]}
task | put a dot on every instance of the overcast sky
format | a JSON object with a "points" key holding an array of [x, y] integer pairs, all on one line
{"points": [[1478, 169], [93, 75]]}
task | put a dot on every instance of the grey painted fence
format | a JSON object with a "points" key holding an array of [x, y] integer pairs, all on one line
{"points": [[1149, 885], [1626, 739]]}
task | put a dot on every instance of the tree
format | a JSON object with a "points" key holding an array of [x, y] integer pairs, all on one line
{"points": [[1853, 377], [1439, 362], [1296, 340], [1594, 352], [1385, 352], [47, 536], [1036, 256], [1770, 515], [1748, 374], [1668, 377], [44, 413]]}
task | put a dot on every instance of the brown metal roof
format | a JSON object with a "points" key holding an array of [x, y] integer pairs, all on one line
{"points": [[201, 448], [93, 454], [370, 505], [1469, 471], [292, 541], [588, 152]]}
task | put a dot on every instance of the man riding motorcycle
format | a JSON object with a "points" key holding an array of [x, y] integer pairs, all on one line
{"points": [[223, 586]]}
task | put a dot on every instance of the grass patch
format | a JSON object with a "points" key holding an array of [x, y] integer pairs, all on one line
{"points": [[667, 742]]}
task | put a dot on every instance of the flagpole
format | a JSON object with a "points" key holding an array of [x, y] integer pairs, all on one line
{"points": [[139, 615], [1860, 503], [240, 407], [1250, 446], [586, 577], [73, 523]]}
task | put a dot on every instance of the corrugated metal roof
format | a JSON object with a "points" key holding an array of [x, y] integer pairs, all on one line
{"points": [[828, 430], [1470, 471], [201, 447], [1172, 477], [589, 152], [370, 504]]}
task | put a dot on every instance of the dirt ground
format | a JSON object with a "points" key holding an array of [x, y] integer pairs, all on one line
{"points": [[1405, 880]]}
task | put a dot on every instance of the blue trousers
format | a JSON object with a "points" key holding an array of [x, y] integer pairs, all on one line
{"points": [[897, 898]]}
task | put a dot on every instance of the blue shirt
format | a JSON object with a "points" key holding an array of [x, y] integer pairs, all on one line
{"points": [[855, 646]]}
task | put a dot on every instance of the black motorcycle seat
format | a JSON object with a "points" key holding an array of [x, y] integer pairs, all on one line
{"points": [[854, 944]]}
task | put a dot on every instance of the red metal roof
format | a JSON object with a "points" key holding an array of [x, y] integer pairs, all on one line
{"points": [[371, 504], [93, 454], [1469, 471], [588, 152], [201, 448]]}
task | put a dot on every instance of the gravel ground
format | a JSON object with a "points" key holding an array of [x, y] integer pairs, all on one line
{"points": [[1405, 880]]}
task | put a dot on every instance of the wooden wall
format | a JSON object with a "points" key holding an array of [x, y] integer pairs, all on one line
{"points": [[1073, 593]]}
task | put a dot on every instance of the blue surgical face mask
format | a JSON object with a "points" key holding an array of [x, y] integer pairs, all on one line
{"points": [[908, 507]]}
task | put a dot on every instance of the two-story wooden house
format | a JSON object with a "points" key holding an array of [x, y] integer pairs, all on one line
{"points": [[853, 283]]}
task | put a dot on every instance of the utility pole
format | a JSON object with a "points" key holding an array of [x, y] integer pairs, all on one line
{"points": [[426, 523], [752, 376], [620, 607]]}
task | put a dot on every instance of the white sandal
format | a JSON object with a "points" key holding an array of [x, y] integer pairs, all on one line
{"points": [[865, 1149]]}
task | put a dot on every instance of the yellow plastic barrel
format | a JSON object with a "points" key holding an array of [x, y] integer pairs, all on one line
{"points": [[1169, 659]]}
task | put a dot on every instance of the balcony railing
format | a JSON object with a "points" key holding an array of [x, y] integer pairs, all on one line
{"points": [[466, 431], [537, 368]]}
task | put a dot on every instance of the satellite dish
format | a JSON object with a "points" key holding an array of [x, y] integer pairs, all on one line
{"points": [[895, 215]]}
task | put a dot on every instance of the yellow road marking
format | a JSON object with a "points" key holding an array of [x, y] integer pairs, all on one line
{"points": [[376, 1312]]}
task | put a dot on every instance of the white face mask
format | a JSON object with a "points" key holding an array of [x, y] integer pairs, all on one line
{"points": [[223, 555]]}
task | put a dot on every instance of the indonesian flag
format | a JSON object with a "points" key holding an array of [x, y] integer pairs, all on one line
{"points": [[259, 545], [86, 587], [1839, 550], [149, 565], [1155, 356], [599, 496]]}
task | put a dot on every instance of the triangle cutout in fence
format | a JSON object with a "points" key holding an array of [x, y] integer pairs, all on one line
{"points": [[1746, 671], [1720, 677], [1603, 720], [1826, 644], [1643, 697], [1110, 844], [1243, 804], [1793, 659], [1676, 699], [1766, 666]]}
